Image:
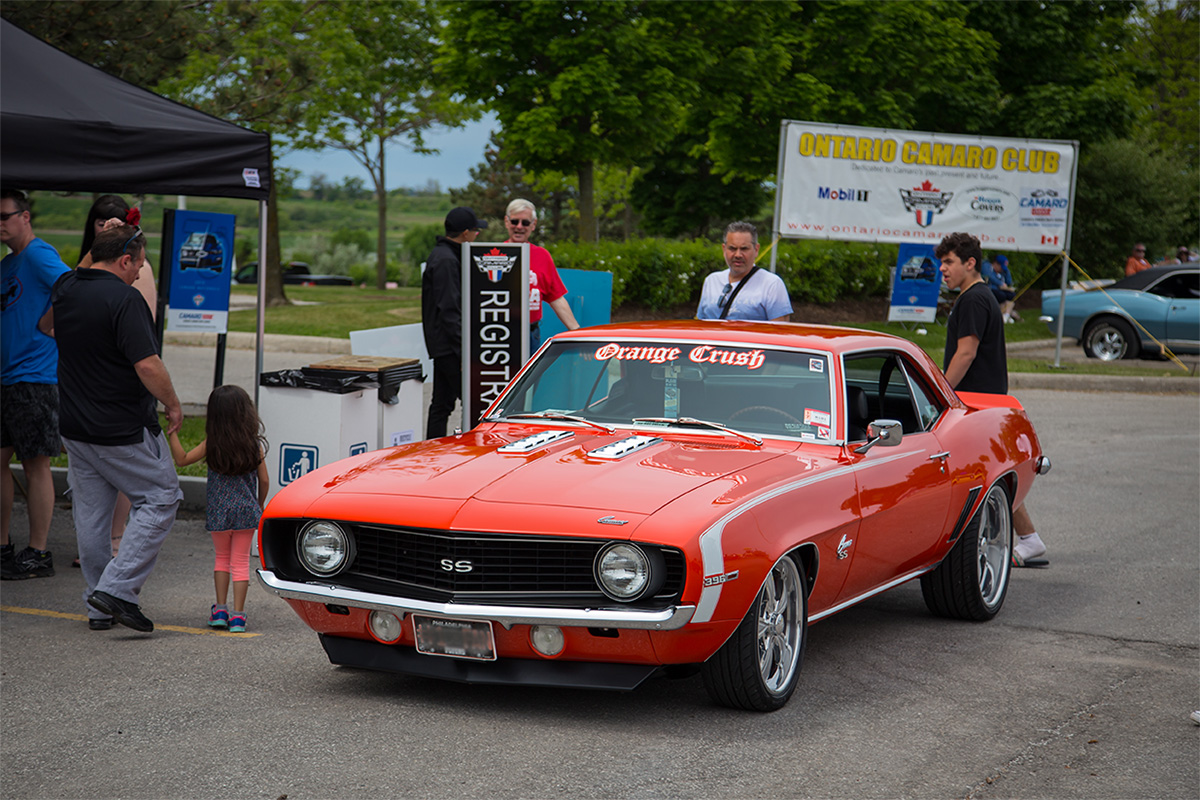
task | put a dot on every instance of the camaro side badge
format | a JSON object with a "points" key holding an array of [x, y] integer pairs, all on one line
{"points": [[844, 547], [611, 520], [717, 580]]}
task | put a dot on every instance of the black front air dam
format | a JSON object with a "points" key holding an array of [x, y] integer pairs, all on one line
{"points": [[505, 672]]}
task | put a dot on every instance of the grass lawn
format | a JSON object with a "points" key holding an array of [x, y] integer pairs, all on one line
{"points": [[339, 310]]}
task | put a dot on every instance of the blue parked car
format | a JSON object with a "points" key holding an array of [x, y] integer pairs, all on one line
{"points": [[1118, 322]]}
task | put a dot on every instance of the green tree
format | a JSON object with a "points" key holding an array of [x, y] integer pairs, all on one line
{"points": [[141, 41], [574, 84], [1130, 191], [1170, 45], [376, 86], [1064, 68], [247, 68]]}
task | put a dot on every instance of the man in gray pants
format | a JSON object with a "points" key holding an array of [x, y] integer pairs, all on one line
{"points": [[109, 374]]}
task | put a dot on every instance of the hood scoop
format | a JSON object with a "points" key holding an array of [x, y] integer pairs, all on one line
{"points": [[624, 447], [531, 443]]}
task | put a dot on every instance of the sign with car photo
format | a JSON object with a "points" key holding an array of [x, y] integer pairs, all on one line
{"points": [[915, 285], [197, 253]]}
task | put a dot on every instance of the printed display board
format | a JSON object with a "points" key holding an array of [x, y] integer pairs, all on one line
{"points": [[495, 322], [915, 285], [876, 185], [197, 255]]}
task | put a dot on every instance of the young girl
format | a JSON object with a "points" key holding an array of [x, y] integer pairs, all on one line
{"points": [[237, 488]]}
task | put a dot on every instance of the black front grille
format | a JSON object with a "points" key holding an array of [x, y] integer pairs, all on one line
{"points": [[472, 566]]}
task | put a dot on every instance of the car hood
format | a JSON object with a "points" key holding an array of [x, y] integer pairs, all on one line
{"points": [[576, 472]]}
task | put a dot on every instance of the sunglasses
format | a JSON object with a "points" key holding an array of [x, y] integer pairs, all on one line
{"points": [[5, 215], [520, 223], [724, 298], [136, 233]]}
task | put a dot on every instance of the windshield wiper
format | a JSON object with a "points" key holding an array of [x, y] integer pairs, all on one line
{"points": [[699, 423], [557, 415]]}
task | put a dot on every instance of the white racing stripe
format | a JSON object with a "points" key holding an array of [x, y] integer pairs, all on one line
{"points": [[712, 551]]}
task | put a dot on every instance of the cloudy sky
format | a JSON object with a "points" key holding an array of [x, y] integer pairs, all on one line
{"points": [[461, 149]]}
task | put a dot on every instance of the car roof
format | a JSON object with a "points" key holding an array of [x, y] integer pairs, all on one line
{"points": [[768, 334], [1147, 277]]}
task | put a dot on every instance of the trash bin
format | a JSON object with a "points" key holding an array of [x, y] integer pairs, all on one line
{"points": [[327, 411], [313, 418]]}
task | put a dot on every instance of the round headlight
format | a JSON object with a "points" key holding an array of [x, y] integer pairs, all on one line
{"points": [[324, 548], [622, 570]]}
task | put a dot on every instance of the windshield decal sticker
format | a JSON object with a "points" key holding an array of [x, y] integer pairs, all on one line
{"points": [[816, 365], [707, 354], [813, 416], [655, 355]]}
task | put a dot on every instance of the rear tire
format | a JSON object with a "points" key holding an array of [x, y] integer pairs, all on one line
{"points": [[758, 668], [972, 580], [1110, 339]]}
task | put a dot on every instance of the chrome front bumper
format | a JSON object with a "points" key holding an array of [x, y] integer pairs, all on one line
{"points": [[668, 619]]}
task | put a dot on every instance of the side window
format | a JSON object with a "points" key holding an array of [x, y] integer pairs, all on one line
{"points": [[889, 394], [1179, 285], [928, 409]]}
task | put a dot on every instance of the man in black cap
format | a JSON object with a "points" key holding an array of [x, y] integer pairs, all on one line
{"points": [[441, 315]]}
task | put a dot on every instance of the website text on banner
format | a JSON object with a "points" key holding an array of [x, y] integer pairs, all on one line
{"points": [[876, 185]]}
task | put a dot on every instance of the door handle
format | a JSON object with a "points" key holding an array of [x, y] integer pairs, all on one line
{"points": [[942, 457]]}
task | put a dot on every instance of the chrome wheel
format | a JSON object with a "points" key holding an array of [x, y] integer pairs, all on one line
{"points": [[972, 580], [995, 537], [758, 667], [779, 626], [1110, 340]]}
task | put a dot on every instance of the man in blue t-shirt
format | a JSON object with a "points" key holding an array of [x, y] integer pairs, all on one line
{"points": [[743, 292], [29, 383]]}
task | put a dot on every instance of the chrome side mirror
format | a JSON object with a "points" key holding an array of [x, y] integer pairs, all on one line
{"points": [[882, 432]]}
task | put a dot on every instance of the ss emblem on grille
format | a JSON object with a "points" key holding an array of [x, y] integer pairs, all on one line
{"points": [[450, 565]]}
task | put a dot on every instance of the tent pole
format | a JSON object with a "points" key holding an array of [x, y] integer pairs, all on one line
{"points": [[260, 331]]}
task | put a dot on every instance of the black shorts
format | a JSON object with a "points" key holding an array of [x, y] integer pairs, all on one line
{"points": [[29, 420]]}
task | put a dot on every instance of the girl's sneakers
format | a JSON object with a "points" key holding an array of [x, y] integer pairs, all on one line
{"points": [[219, 618], [237, 622]]}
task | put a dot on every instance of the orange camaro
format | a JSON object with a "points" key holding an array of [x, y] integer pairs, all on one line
{"points": [[664, 496]]}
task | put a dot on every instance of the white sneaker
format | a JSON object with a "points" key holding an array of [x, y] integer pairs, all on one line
{"points": [[1196, 717], [1028, 547]]}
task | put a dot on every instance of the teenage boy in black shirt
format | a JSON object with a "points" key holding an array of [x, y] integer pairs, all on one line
{"points": [[975, 359]]}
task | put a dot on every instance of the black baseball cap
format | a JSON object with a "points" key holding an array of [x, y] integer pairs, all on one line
{"points": [[463, 219]]}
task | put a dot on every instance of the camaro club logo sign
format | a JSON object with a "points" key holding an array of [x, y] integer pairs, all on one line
{"points": [[854, 184], [495, 264], [925, 201]]}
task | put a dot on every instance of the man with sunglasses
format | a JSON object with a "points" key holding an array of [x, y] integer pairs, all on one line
{"points": [[544, 283], [743, 291], [111, 373], [1137, 260], [29, 393]]}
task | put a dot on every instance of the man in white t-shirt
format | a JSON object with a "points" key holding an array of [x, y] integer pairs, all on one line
{"points": [[743, 292]]}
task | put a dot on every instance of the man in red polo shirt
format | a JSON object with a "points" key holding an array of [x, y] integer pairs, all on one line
{"points": [[544, 283]]}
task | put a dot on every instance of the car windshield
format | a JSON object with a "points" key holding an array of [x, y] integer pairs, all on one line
{"points": [[752, 389], [195, 240]]}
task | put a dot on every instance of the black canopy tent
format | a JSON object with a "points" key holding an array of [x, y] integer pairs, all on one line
{"points": [[67, 126]]}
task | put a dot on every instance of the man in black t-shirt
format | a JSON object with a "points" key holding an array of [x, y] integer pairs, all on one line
{"points": [[975, 359], [109, 374]]}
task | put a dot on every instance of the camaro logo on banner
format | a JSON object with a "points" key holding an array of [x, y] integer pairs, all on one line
{"points": [[875, 185]]}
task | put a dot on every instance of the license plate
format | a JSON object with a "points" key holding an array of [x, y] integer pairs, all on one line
{"points": [[455, 638]]}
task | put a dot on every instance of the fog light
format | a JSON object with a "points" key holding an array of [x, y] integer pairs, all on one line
{"points": [[385, 626], [547, 639]]}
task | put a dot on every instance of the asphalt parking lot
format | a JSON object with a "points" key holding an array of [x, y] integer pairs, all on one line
{"points": [[1081, 687]]}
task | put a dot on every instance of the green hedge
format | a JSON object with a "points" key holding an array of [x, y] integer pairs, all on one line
{"points": [[665, 273]]}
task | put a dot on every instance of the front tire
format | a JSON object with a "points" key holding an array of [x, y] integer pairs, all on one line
{"points": [[1110, 339], [972, 580], [758, 668]]}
